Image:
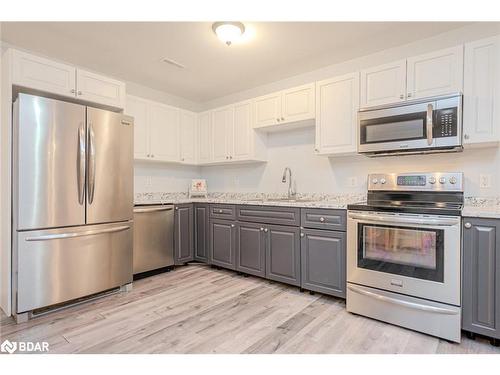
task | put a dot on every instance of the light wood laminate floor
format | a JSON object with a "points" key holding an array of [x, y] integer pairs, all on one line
{"points": [[197, 309]]}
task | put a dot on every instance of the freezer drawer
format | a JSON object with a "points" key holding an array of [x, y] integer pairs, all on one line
{"points": [[59, 265], [153, 237]]}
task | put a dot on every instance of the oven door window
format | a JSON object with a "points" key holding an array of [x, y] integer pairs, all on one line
{"points": [[413, 252], [406, 127]]}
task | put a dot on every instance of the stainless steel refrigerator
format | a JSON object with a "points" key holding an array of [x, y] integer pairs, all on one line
{"points": [[72, 201]]}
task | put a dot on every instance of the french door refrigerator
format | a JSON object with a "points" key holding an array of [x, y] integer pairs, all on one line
{"points": [[72, 201]]}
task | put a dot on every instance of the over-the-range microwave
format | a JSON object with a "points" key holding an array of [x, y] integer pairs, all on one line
{"points": [[413, 127]]}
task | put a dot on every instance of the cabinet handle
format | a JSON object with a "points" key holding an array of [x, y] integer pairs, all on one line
{"points": [[230, 157], [278, 119], [402, 96], [322, 219], [73, 91], [302, 235], [79, 92], [466, 136], [220, 211], [282, 119], [265, 230], [468, 225], [409, 95], [261, 229], [176, 208], [182, 159], [232, 225]]}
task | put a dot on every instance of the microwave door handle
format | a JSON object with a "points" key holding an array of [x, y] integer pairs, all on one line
{"points": [[429, 124]]}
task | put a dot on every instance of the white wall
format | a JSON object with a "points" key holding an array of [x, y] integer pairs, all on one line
{"points": [[320, 174], [157, 177]]}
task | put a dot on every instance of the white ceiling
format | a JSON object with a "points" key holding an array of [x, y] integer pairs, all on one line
{"points": [[133, 50]]}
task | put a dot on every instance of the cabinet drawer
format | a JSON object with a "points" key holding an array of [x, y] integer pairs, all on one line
{"points": [[222, 211], [321, 218], [269, 215]]}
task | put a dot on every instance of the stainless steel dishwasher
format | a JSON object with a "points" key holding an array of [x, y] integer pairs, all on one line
{"points": [[153, 237]]}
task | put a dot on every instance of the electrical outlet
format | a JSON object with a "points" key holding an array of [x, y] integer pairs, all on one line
{"points": [[352, 182], [485, 181], [236, 182], [149, 181]]}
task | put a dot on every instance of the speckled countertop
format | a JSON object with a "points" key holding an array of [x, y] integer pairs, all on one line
{"points": [[482, 207], [473, 207], [259, 199]]}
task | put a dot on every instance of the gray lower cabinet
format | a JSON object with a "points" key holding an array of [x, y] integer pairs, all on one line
{"points": [[251, 249], [201, 229], [323, 258], [183, 233], [223, 243], [481, 277], [283, 253]]}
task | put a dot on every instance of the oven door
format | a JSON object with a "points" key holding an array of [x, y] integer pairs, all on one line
{"points": [[417, 255]]}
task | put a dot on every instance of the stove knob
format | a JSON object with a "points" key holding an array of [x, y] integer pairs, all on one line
{"points": [[432, 180], [383, 181], [453, 180], [375, 181], [442, 180]]}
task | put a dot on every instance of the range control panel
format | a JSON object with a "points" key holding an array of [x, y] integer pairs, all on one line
{"points": [[434, 181]]}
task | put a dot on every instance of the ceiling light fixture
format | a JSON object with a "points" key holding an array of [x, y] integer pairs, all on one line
{"points": [[228, 32]]}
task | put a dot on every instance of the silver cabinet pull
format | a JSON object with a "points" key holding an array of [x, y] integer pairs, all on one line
{"points": [[176, 208], [402, 96], [409, 95], [468, 225], [81, 164], [302, 235], [282, 119], [261, 229], [278, 119], [265, 230], [466, 136], [142, 210], [72, 91], [220, 211], [79, 92], [91, 164], [232, 225], [322, 219], [57, 236], [429, 124]]}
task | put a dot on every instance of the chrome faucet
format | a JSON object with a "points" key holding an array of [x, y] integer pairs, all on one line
{"points": [[291, 193]]}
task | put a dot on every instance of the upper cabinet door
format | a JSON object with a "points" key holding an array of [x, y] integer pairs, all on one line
{"points": [[188, 137], [222, 129], [100, 89], [297, 104], [43, 74], [138, 109], [336, 114], [383, 84], [435, 73], [482, 91], [205, 137], [242, 131], [268, 110], [164, 132]]}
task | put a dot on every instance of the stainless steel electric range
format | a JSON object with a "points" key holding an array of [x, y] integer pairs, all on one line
{"points": [[403, 252]]}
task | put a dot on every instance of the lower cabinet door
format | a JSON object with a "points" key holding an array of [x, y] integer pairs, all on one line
{"points": [[201, 239], [250, 252], [183, 233], [481, 277], [283, 253], [323, 261], [223, 243]]}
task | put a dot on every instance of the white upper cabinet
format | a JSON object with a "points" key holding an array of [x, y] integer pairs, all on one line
{"points": [[97, 88], [138, 109], [337, 104], [205, 137], [43, 74], [383, 84], [482, 91], [283, 107], [46, 75], [222, 133], [297, 104], [188, 137], [435, 73], [242, 131], [164, 132], [268, 110]]}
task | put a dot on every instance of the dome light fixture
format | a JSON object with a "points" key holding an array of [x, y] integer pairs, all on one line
{"points": [[228, 32]]}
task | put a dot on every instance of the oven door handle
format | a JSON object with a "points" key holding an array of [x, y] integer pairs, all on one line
{"points": [[407, 304], [405, 220]]}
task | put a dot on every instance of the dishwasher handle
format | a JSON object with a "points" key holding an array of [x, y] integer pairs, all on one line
{"points": [[153, 209]]}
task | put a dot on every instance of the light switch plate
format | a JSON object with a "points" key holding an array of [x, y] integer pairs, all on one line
{"points": [[352, 182]]}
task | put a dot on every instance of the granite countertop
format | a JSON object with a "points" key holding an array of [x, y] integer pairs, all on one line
{"points": [[473, 207], [482, 207], [258, 199]]}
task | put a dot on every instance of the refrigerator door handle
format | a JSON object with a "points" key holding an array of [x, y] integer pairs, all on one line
{"points": [[48, 237], [81, 164], [91, 164]]}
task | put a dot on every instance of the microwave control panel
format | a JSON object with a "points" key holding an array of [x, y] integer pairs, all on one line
{"points": [[445, 123]]}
